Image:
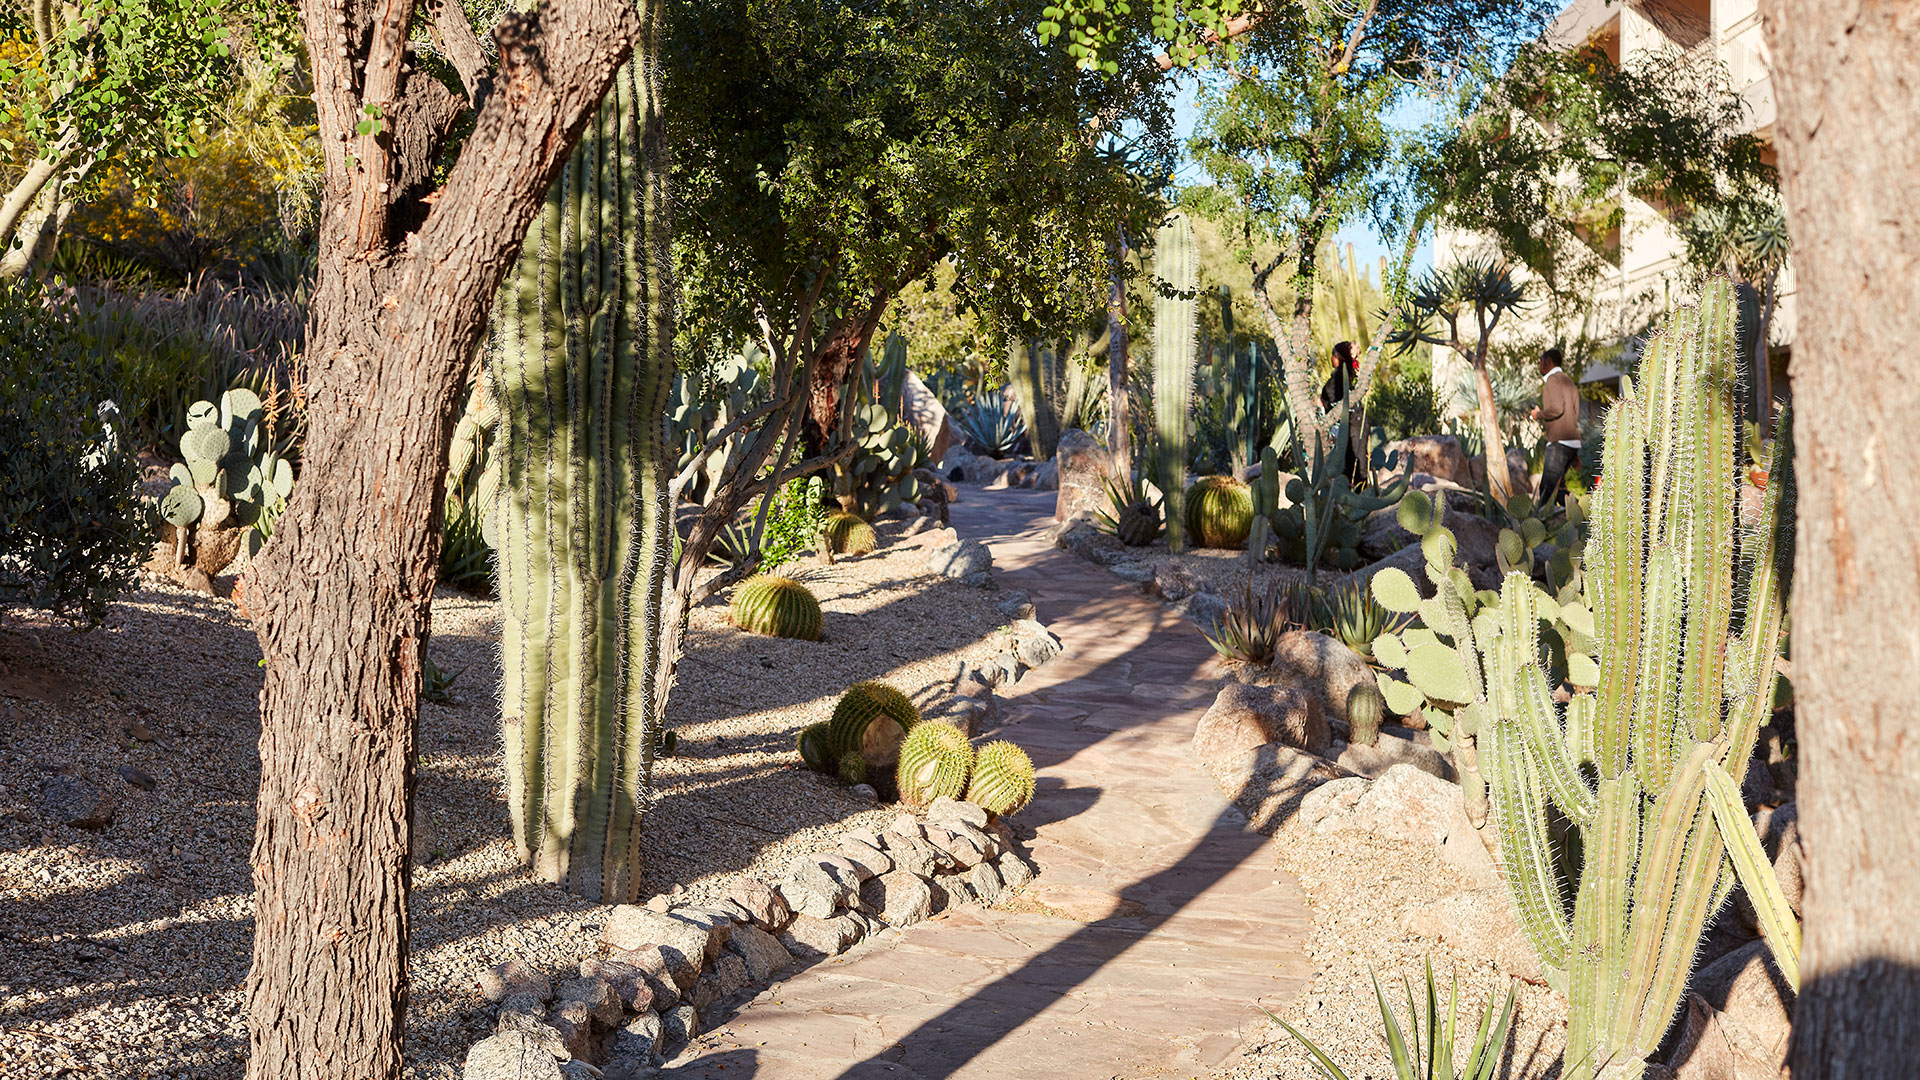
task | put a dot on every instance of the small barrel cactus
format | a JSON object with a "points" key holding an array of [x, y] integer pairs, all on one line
{"points": [[853, 767], [1219, 512], [813, 748], [847, 534], [777, 606], [1365, 709], [934, 761], [870, 719], [1002, 778]]}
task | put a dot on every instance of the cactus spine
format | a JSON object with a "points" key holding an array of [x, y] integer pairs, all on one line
{"points": [[1686, 619], [1173, 360], [583, 373]]}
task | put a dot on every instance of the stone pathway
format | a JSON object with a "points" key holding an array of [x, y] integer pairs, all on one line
{"points": [[1156, 926]]}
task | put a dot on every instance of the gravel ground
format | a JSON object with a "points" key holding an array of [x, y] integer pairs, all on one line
{"points": [[123, 951], [1360, 887]]}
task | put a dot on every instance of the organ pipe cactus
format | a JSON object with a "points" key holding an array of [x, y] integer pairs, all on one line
{"points": [[1173, 360], [1026, 371], [1686, 608], [583, 373]]}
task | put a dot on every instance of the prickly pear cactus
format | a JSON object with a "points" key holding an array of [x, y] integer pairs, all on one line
{"points": [[233, 476], [1219, 512], [1002, 778], [935, 760], [777, 607]]}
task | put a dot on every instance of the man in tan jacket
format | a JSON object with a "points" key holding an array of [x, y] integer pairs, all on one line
{"points": [[1559, 417]]}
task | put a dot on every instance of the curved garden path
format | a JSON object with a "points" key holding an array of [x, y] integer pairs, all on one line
{"points": [[1156, 925]]}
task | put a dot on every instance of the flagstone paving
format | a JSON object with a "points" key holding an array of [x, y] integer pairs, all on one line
{"points": [[1158, 926]]}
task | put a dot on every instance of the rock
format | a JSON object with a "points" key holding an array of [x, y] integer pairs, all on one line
{"points": [[1015, 605], [69, 800], [684, 945], [1269, 781], [678, 1028], [1321, 665], [1751, 1010], [574, 1021], [1173, 582], [598, 995], [631, 1050], [868, 861], [1243, 717], [1388, 751], [651, 965], [527, 1014], [1205, 610], [845, 871], [949, 891], [865, 793], [731, 972], [510, 1055], [966, 849], [913, 855], [1408, 804], [921, 408], [986, 882], [1382, 535], [1013, 870], [947, 811], [1080, 537], [631, 982], [1034, 644], [1082, 467], [901, 898], [762, 902], [514, 977], [959, 560], [1325, 807], [1436, 455], [808, 938], [765, 957], [1138, 573], [137, 777], [718, 925], [811, 890], [1477, 923]]}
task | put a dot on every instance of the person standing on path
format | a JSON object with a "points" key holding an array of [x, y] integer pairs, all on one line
{"points": [[1333, 394], [1559, 417]]}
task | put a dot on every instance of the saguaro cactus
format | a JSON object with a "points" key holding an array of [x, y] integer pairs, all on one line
{"points": [[583, 374], [1027, 371], [1173, 360], [1685, 617]]}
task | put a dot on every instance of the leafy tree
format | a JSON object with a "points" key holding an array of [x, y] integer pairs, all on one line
{"points": [[123, 81], [1458, 307]]}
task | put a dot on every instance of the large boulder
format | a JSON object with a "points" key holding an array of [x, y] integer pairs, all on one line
{"points": [[1435, 455], [1321, 666], [1082, 538], [1390, 750], [1477, 923], [1516, 471], [1408, 804], [685, 944], [1477, 537], [1739, 1016], [1082, 468], [921, 408], [961, 560], [1269, 783], [1245, 717]]}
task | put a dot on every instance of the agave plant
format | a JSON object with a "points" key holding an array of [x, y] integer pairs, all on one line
{"points": [[1136, 518], [1432, 1059], [1358, 618], [1250, 630], [992, 424]]}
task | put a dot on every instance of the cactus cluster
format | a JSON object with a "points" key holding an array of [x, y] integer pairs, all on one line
{"points": [[879, 478], [1135, 515], [847, 534], [777, 607], [1219, 512], [1322, 523], [1665, 653], [869, 721], [1174, 316], [232, 477], [703, 404]]}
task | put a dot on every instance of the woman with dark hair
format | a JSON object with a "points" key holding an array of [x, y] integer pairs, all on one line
{"points": [[1333, 394]]}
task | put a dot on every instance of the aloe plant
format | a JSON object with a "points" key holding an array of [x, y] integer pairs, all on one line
{"points": [[1413, 1059], [1670, 650], [583, 374]]}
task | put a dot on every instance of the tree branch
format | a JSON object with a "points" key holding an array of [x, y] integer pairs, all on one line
{"points": [[463, 50], [1353, 40]]}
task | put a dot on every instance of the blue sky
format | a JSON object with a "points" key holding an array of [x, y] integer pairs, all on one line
{"points": [[1367, 244]]}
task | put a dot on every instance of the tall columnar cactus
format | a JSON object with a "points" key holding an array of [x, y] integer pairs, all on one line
{"points": [[1027, 372], [1173, 360], [583, 372], [1266, 502], [1685, 618]]}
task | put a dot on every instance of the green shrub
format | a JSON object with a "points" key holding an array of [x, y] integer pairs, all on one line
{"points": [[72, 528]]}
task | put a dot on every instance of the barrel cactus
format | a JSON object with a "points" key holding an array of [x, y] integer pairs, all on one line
{"points": [[1219, 512], [1135, 513], [935, 760], [777, 607], [1365, 709], [853, 767], [847, 534], [870, 719], [812, 743], [582, 371], [1002, 778]]}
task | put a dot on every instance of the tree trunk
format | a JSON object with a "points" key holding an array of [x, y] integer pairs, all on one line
{"points": [[1848, 80], [345, 587], [1762, 363], [1119, 415], [1498, 478], [834, 364]]}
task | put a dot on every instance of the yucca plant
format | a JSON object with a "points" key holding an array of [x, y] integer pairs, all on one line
{"points": [[1430, 1058], [1250, 631]]}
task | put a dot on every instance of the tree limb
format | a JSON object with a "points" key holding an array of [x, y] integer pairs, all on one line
{"points": [[463, 50], [1353, 40]]}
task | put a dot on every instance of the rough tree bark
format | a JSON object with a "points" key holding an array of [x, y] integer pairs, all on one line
{"points": [[1119, 416], [406, 280], [1848, 80]]}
